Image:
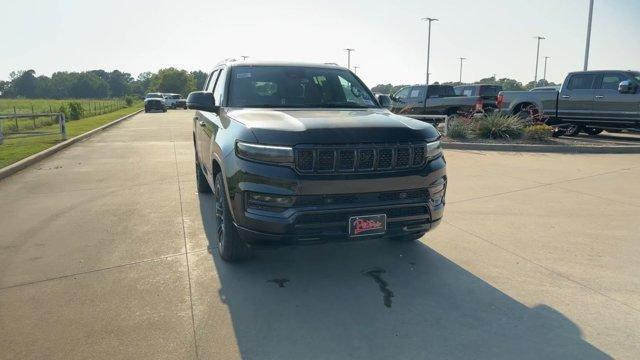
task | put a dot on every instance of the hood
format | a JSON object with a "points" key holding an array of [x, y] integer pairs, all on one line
{"points": [[331, 126]]}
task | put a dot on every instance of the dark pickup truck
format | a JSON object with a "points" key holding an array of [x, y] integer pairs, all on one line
{"points": [[303, 153], [440, 100], [589, 101]]}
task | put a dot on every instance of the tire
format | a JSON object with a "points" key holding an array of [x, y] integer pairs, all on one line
{"points": [[523, 114], [592, 131], [230, 246], [145, 110], [572, 130], [164, 110], [201, 181], [557, 132]]}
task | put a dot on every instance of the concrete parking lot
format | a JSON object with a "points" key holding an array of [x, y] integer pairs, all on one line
{"points": [[104, 255]]}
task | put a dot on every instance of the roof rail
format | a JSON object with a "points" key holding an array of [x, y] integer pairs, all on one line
{"points": [[228, 60]]}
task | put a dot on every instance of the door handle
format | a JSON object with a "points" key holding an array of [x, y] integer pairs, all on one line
{"points": [[599, 96], [565, 96], [201, 123]]}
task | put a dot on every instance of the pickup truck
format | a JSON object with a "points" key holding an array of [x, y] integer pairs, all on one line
{"points": [[440, 100], [589, 101], [174, 101], [154, 101], [303, 153]]}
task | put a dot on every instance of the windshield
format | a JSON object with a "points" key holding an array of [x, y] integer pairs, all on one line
{"points": [[636, 76], [154, 96], [299, 87]]}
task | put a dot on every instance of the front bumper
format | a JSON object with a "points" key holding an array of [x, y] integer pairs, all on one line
{"points": [[155, 106], [327, 202]]}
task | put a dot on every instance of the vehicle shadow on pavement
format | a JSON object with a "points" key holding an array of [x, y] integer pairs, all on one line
{"points": [[379, 300]]}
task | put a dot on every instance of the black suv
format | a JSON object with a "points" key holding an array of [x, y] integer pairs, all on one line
{"points": [[300, 153]]}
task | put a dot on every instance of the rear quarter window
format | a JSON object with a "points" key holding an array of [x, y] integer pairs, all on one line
{"points": [[490, 90]]}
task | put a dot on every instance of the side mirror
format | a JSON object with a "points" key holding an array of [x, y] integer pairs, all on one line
{"points": [[384, 100], [202, 100], [627, 87]]}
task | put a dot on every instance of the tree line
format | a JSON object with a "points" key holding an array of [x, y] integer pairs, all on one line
{"points": [[506, 83], [99, 84]]}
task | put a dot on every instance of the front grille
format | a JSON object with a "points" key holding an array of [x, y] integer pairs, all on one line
{"points": [[326, 160], [346, 160], [305, 160], [359, 158]]}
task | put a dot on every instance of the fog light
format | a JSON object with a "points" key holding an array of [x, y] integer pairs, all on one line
{"points": [[437, 191], [259, 200]]}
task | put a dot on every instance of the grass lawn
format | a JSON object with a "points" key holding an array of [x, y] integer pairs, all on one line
{"points": [[16, 149]]}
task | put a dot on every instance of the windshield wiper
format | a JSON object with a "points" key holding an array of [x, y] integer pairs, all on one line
{"points": [[340, 105]]}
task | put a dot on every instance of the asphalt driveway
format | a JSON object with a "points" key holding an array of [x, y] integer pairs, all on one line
{"points": [[105, 254]]}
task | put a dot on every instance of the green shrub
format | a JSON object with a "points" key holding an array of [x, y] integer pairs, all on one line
{"points": [[538, 132], [76, 111], [129, 101], [498, 126], [459, 129]]}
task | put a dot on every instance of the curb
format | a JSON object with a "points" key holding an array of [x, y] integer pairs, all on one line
{"points": [[560, 149], [26, 162]]}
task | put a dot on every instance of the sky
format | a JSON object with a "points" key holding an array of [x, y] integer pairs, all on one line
{"points": [[390, 40]]}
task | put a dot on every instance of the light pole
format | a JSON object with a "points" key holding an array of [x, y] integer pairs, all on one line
{"points": [[535, 77], [544, 74], [349, 57], [430, 20], [461, 60], [355, 69], [586, 50]]}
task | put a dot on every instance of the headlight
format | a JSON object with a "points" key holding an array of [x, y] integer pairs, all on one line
{"points": [[265, 153], [434, 149]]}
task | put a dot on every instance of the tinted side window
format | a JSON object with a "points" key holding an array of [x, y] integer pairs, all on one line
{"points": [[581, 82], [433, 91], [417, 93], [458, 90], [212, 81], [469, 91], [218, 91], [490, 90], [403, 93], [611, 81], [447, 91]]}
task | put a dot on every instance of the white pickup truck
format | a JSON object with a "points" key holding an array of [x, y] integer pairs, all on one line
{"points": [[174, 101]]}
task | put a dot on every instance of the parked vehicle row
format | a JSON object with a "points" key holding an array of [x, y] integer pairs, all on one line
{"points": [[589, 101], [303, 153], [164, 101], [420, 101]]}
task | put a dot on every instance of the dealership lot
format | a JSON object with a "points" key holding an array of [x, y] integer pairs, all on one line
{"points": [[104, 254]]}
